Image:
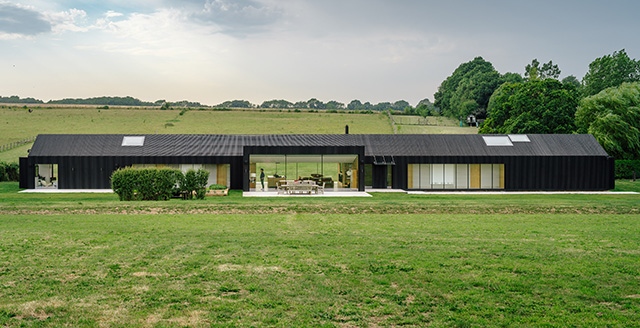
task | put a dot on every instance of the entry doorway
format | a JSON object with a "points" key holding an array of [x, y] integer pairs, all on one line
{"points": [[46, 176]]}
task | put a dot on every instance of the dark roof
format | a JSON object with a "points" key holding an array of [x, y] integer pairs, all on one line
{"points": [[375, 144]]}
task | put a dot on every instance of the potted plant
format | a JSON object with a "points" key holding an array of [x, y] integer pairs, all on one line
{"points": [[217, 190]]}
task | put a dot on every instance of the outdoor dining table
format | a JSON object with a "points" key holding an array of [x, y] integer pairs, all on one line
{"points": [[292, 188]]}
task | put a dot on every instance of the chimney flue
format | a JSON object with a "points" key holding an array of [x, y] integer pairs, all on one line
{"points": [[346, 129]]}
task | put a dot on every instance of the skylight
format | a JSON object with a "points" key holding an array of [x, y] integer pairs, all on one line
{"points": [[519, 138], [497, 141], [133, 141]]}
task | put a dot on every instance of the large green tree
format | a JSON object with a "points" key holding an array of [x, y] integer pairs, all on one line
{"points": [[469, 87], [540, 106], [610, 71], [548, 70], [613, 118]]}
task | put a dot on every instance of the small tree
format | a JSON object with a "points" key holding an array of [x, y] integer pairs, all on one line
{"points": [[194, 183], [123, 183]]}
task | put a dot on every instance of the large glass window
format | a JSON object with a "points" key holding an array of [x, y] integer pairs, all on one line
{"points": [[462, 176], [437, 176], [47, 176], [449, 176], [455, 176], [486, 176], [425, 175], [334, 171]]}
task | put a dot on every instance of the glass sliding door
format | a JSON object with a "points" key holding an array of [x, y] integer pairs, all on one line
{"points": [[274, 168], [47, 176], [449, 176], [455, 176], [462, 176], [332, 171]]}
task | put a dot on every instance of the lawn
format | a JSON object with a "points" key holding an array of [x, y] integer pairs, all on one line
{"points": [[319, 270], [11, 202]]}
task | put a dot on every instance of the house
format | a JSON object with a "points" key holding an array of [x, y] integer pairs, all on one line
{"points": [[340, 161]]}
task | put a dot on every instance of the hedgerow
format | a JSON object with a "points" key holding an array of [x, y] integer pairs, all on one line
{"points": [[158, 184], [9, 171], [625, 169]]}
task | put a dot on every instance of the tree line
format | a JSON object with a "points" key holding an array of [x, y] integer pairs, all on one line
{"points": [[606, 103], [313, 103]]}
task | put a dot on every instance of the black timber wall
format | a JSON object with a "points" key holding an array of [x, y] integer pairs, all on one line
{"points": [[26, 174], [525, 173], [79, 172], [522, 173], [379, 176]]}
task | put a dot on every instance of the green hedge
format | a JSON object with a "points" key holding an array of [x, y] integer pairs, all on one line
{"points": [[144, 184], [158, 184], [194, 183], [625, 168], [9, 171]]}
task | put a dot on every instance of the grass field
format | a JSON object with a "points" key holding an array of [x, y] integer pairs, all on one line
{"points": [[18, 123], [11, 202], [319, 270], [390, 260], [433, 129], [89, 260], [430, 125], [12, 155]]}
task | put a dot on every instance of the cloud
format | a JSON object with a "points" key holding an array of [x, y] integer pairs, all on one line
{"points": [[238, 16], [108, 21], [71, 20], [163, 33], [21, 22]]}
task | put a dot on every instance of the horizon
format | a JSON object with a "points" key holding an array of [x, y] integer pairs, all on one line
{"points": [[211, 51]]}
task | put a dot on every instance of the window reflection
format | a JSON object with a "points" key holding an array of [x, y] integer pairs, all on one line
{"points": [[455, 176], [332, 171]]}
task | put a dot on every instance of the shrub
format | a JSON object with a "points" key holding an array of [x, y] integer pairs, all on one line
{"points": [[123, 183], [217, 187], [9, 171], [194, 183], [625, 168], [144, 184]]}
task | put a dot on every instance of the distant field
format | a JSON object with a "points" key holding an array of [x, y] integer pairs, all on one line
{"points": [[430, 125], [18, 123], [430, 129], [15, 153]]}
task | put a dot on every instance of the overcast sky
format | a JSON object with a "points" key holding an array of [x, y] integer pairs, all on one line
{"points": [[215, 50]]}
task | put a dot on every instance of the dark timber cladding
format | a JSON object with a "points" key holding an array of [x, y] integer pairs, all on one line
{"points": [[544, 162]]}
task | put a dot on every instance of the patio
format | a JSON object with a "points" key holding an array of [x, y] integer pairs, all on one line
{"points": [[325, 194]]}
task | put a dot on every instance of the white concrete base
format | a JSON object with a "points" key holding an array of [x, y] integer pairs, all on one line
{"points": [[521, 192], [385, 190], [326, 194], [66, 191]]}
